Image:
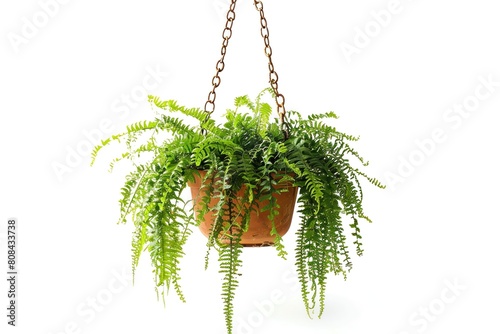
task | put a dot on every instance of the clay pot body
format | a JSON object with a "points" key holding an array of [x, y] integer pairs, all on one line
{"points": [[259, 229]]}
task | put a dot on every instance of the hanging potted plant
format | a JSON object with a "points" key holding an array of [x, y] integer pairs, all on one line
{"points": [[245, 175]]}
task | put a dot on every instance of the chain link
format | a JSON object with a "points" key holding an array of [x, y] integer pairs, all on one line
{"points": [[273, 75], [219, 67]]}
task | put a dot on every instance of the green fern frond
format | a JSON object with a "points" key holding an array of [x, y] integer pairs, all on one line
{"points": [[156, 101], [138, 242], [96, 149], [129, 191], [244, 101], [141, 126], [173, 106], [176, 126], [265, 112], [229, 265], [329, 114], [302, 259]]}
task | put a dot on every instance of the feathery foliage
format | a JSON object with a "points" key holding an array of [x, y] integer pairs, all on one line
{"points": [[247, 151]]}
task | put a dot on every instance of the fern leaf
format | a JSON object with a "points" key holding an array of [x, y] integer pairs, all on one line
{"points": [[244, 101]]}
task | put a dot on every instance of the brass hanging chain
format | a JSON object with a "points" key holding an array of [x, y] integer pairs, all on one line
{"points": [[273, 75], [226, 35]]}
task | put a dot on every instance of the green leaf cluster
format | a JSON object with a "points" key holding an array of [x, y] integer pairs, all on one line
{"points": [[248, 150]]}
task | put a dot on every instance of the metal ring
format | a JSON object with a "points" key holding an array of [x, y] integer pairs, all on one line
{"points": [[206, 107], [280, 100], [227, 33], [211, 96], [273, 77], [216, 81], [220, 65]]}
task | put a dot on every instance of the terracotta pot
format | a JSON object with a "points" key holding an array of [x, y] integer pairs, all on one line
{"points": [[259, 230]]}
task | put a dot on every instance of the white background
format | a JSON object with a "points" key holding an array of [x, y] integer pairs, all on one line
{"points": [[435, 227]]}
